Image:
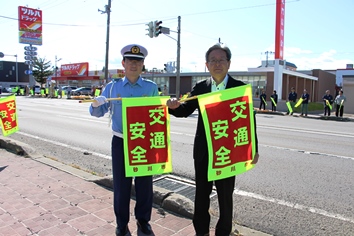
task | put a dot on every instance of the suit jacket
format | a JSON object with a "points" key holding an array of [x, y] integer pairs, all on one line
{"points": [[200, 149]]}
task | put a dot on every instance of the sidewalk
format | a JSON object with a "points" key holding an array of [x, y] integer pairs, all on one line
{"points": [[40, 196]]}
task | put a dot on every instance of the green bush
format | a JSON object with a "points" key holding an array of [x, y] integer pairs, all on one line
{"points": [[313, 106]]}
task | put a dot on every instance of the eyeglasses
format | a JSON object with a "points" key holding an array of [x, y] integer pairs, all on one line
{"points": [[220, 62]]}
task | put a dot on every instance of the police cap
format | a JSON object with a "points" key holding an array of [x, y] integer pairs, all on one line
{"points": [[134, 51]]}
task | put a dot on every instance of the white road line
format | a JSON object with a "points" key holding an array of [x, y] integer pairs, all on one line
{"points": [[305, 131], [65, 145], [294, 205], [308, 152]]}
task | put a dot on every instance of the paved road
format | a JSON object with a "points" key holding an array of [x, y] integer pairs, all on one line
{"points": [[304, 174]]}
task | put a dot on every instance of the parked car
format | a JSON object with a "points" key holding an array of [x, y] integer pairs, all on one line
{"points": [[65, 89], [10, 89], [81, 91], [37, 89]]}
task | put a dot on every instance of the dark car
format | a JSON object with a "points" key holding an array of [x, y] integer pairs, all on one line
{"points": [[81, 91]]}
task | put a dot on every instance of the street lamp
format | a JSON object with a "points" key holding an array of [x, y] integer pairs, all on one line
{"points": [[2, 55], [56, 60]]}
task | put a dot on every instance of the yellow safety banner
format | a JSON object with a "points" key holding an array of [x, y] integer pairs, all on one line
{"points": [[230, 134], [8, 115], [273, 101], [341, 104], [289, 107], [328, 104], [146, 135], [299, 102]]}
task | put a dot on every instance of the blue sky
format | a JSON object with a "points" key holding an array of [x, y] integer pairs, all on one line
{"points": [[318, 33]]}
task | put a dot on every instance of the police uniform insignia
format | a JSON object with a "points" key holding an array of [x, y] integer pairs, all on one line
{"points": [[135, 50]]}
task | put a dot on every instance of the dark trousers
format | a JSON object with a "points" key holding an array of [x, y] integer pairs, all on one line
{"points": [[327, 110], [225, 189], [339, 111], [122, 189], [274, 108], [262, 104]]}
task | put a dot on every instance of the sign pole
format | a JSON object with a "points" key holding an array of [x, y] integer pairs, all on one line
{"points": [[32, 82]]}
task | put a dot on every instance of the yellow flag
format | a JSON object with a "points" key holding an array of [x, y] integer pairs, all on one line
{"points": [[299, 102]]}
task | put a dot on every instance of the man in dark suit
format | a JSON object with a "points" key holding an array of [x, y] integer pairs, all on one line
{"points": [[218, 63]]}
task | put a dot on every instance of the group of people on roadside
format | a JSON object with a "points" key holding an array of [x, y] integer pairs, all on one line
{"points": [[338, 101], [328, 100]]}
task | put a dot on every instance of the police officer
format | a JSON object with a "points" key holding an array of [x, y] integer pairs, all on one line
{"points": [[132, 85]]}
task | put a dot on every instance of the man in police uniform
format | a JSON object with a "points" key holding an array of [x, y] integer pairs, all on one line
{"points": [[131, 85]]}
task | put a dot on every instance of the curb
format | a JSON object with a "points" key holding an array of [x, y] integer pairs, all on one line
{"points": [[163, 199]]}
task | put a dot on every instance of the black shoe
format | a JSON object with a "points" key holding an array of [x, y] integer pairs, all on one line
{"points": [[144, 227], [123, 232], [202, 234]]}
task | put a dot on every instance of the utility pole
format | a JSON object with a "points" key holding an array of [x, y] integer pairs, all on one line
{"points": [[16, 69], [108, 11], [55, 65], [178, 79]]}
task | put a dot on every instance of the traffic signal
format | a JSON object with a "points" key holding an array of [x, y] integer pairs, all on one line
{"points": [[165, 67], [150, 29], [157, 28]]}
